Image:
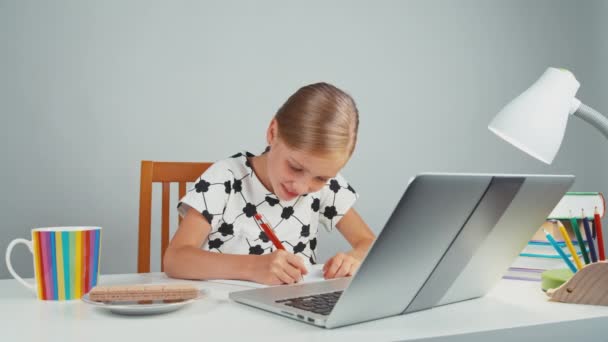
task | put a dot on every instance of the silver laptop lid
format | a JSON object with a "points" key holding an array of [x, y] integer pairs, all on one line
{"points": [[450, 238]]}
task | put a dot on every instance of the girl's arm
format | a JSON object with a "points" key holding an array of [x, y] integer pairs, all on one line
{"points": [[359, 236], [185, 259]]}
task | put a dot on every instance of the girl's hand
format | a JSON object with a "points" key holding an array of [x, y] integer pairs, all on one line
{"points": [[340, 265], [278, 267]]}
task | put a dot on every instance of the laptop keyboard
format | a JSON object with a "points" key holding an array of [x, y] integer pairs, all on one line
{"points": [[321, 303]]}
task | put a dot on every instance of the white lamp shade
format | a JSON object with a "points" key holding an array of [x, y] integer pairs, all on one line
{"points": [[535, 121]]}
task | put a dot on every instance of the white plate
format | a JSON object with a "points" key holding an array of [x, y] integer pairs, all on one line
{"points": [[135, 308]]}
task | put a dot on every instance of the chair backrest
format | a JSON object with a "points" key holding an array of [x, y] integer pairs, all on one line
{"points": [[165, 173]]}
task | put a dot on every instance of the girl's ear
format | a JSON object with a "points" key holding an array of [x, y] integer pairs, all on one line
{"points": [[272, 132]]}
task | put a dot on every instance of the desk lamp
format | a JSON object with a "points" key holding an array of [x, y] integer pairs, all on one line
{"points": [[535, 121]]}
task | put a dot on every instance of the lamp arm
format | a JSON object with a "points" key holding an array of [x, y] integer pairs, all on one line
{"points": [[593, 117]]}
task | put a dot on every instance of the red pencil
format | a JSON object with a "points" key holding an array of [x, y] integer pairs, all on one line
{"points": [[266, 227], [598, 230]]}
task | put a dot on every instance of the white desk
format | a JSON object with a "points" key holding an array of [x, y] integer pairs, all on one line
{"points": [[513, 310]]}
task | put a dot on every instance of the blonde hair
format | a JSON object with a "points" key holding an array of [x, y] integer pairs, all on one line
{"points": [[319, 118]]}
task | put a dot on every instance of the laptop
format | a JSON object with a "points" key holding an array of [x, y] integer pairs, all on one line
{"points": [[450, 238]]}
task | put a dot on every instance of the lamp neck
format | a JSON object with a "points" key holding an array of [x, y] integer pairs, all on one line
{"points": [[593, 117]]}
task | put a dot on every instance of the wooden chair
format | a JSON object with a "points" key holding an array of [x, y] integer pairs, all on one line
{"points": [[165, 173]]}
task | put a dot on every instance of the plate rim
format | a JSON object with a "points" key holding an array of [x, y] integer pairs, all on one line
{"points": [[142, 307]]}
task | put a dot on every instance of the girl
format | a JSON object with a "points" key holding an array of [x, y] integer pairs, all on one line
{"points": [[295, 184]]}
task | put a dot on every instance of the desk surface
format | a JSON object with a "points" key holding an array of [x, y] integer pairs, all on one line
{"points": [[510, 305]]}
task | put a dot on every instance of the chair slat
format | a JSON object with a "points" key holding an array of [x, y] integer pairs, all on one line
{"points": [[182, 193], [145, 217], [165, 221]]}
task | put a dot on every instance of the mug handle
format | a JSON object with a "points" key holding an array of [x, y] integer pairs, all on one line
{"points": [[9, 249]]}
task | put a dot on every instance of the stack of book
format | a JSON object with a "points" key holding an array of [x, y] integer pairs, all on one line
{"points": [[539, 255]]}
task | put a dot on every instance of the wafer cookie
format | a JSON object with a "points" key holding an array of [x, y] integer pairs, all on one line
{"points": [[147, 292]]}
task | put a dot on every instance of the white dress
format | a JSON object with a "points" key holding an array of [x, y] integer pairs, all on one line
{"points": [[229, 194]]}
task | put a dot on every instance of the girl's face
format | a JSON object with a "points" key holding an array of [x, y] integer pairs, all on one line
{"points": [[292, 172]]}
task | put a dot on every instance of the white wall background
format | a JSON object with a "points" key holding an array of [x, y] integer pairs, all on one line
{"points": [[90, 88]]}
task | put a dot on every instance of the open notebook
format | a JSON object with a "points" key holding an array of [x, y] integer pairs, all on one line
{"points": [[315, 273]]}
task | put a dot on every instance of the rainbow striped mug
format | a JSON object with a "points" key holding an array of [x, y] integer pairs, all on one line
{"points": [[66, 261]]}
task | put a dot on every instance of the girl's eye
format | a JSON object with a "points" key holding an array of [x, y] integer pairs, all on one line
{"points": [[295, 168], [322, 179]]}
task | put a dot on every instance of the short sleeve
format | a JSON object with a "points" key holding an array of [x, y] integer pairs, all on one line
{"points": [[210, 192], [336, 198]]}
